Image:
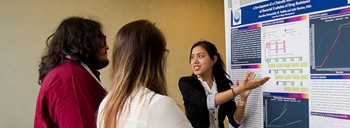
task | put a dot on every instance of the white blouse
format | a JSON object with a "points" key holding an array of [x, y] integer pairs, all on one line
{"points": [[212, 107], [148, 109]]}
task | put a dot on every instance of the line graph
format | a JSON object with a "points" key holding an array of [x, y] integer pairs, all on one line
{"points": [[330, 43], [285, 112], [342, 26]]}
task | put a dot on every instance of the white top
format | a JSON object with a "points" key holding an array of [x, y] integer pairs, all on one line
{"points": [[212, 107], [149, 110]]}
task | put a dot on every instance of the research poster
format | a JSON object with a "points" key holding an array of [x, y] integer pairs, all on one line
{"points": [[304, 47]]}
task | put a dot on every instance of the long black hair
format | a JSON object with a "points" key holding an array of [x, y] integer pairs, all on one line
{"points": [[77, 37], [218, 68]]}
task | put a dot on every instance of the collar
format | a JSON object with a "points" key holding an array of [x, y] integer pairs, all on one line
{"points": [[93, 70]]}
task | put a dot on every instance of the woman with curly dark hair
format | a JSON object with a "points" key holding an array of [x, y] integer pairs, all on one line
{"points": [[70, 90]]}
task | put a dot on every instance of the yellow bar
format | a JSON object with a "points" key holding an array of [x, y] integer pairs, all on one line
{"points": [[295, 64], [279, 65], [287, 77], [295, 76], [287, 65], [295, 89], [272, 66], [304, 89], [287, 89], [304, 77], [279, 77], [305, 64]]}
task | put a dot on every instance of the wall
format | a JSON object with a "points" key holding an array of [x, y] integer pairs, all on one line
{"points": [[25, 25]]}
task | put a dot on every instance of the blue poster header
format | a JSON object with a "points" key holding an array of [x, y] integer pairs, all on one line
{"points": [[274, 9]]}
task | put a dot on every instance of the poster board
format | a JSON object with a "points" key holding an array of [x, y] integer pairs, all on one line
{"points": [[304, 46]]}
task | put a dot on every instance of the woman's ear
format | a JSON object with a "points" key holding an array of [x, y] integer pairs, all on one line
{"points": [[215, 58]]}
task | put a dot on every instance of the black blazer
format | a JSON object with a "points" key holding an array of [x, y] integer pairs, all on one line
{"points": [[195, 102]]}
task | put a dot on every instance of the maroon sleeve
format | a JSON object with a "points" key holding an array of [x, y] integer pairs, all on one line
{"points": [[72, 102], [76, 103]]}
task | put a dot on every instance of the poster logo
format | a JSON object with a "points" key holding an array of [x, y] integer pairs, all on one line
{"points": [[236, 17]]}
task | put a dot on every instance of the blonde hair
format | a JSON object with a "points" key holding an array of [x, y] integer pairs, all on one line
{"points": [[138, 60]]}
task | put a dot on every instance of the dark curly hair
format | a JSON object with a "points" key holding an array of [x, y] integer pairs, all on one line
{"points": [[77, 37]]}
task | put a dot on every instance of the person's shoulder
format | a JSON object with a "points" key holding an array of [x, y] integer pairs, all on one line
{"points": [[62, 72], [103, 103], [162, 100], [188, 77], [68, 68], [64, 65], [185, 77], [69, 65], [162, 97], [158, 99]]}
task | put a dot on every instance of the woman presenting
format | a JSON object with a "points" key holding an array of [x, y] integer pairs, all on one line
{"points": [[207, 94]]}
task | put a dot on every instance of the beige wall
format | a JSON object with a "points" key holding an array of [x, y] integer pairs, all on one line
{"points": [[25, 25]]}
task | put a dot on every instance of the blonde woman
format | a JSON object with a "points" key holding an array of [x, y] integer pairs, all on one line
{"points": [[138, 97]]}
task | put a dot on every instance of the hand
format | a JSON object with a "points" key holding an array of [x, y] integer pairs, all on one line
{"points": [[249, 81], [243, 96]]}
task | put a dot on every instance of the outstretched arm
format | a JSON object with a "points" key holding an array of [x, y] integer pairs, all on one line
{"points": [[249, 83]]}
